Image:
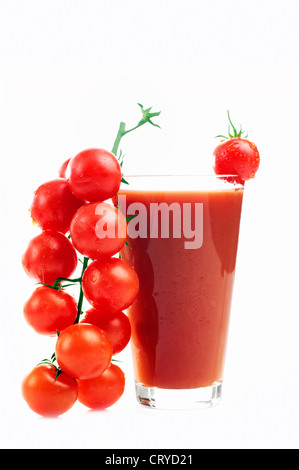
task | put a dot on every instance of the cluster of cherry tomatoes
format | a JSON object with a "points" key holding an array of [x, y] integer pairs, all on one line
{"points": [[69, 211]]}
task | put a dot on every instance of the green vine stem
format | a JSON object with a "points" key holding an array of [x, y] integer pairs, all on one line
{"points": [[81, 295], [120, 134], [146, 117]]}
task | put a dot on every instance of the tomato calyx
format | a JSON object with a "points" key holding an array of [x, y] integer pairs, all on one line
{"points": [[235, 132], [147, 115], [236, 159], [51, 362], [57, 284]]}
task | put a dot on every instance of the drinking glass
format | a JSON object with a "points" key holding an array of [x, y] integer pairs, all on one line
{"points": [[182, 241]]}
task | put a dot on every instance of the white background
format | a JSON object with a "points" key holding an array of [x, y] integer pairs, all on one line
{"points": [[70, 71]]}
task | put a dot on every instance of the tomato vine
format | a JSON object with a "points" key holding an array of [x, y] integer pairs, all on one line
{"points": [[55, 206]]}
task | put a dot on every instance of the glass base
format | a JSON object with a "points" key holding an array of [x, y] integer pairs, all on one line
{"points": [[179, 399]]}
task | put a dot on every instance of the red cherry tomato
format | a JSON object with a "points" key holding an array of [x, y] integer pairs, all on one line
{"points": [[54, 205], [110, 284], [45, 395], [115, 324], [48, 256], [63, 168], [98, 230], [95, 175], [49, 310], [102, 391], [237, 156], [83, 351]]}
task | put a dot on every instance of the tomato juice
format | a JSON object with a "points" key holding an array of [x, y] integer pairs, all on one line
{"points": [[181, 316]]}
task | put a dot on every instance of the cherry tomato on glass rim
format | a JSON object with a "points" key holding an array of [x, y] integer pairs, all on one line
{"points": [[110, 284], [95, 175], [45, 395], [50, 310], [48, 256], [98, 230], [83, 351], [236, 156], [102, 391], [115, 324], [54, 205]]}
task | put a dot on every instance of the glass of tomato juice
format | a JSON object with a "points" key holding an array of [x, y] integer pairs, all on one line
{"points": [[182, 242]]}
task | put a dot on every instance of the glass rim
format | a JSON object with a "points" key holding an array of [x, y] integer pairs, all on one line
{"points": [[176, 175], [190, 182]]}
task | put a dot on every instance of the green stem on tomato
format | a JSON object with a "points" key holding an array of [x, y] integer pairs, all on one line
{"points": [[146, 117], [81, 295], [59, 279], [120, 134]]}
